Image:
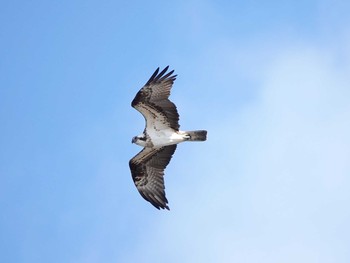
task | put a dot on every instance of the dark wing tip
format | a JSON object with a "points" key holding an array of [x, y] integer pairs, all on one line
{"points": [[159, 201], [160, 206], [159, 77], [155, 73], [167, 208], [156, 78]]}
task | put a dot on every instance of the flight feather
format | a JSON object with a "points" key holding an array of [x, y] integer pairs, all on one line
{"points": [[147, 170], [153, 100]]}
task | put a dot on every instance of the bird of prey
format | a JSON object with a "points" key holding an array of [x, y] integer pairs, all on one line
{"points": [[159, 138]]}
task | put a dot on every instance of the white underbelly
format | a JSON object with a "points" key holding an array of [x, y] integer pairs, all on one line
{"points": [[165, 137]]}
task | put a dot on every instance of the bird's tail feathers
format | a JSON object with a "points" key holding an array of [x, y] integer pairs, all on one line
{"points": [[200, 135]]}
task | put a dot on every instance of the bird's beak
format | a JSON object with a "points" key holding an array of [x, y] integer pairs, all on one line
{"points": [[133, 140]]}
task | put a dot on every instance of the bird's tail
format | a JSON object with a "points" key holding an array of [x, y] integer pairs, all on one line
{"points": [[200, 135]]}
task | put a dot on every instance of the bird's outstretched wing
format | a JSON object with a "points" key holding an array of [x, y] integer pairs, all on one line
{"points": [[153, 101], [147, 170]]}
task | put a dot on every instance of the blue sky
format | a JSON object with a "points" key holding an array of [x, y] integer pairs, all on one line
{"points": [[268, 80]]}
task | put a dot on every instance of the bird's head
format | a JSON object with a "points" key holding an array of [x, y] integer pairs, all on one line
{"points": [[139, 140]]}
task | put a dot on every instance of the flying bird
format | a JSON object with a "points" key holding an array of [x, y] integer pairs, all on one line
{"points": [[159, 138]]}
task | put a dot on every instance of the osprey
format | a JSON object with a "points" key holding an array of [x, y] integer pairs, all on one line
{"points": [[159, 138]]}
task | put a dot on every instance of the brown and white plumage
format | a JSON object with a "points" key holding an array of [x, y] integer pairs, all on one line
{"points": [[147, 169], [153, 99], [160, 137]]}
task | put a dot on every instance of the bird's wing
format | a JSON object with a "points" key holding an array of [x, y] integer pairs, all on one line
{"points": [[147, 170], [153, 101]]}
